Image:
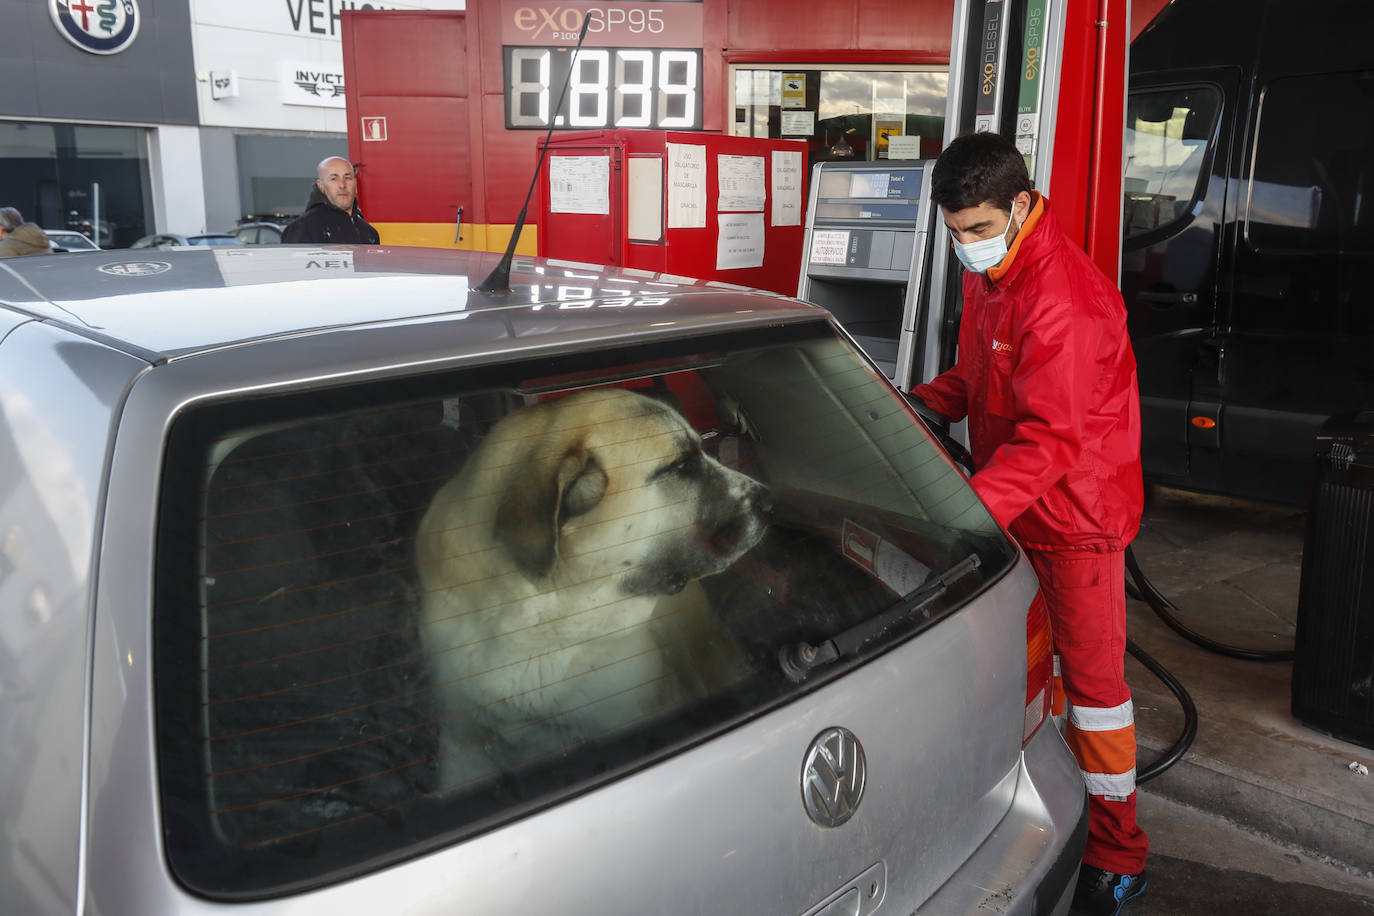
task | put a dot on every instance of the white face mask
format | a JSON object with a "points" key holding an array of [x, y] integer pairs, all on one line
{"points": [[981, 255]]}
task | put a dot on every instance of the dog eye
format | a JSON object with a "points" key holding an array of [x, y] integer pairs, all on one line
{"points": [[688, 465]]}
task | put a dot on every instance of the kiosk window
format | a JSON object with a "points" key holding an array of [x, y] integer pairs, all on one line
{"points": [[1168, 134], [1312, 185], [850, 114]]}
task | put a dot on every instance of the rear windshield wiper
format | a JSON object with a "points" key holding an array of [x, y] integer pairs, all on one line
{"points": [[799, 658]]}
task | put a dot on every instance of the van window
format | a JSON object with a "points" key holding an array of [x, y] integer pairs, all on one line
{"points": [[1312, 180], [1168, 135], [393, 615]]}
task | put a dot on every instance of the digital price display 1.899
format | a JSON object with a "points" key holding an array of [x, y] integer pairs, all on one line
{"points": [[610, 87]]}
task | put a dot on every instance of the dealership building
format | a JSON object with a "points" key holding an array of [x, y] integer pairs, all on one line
{"points": [[139, 116]]}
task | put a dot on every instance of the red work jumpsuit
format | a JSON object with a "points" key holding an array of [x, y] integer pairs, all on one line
{"points": [[1047, 379]]}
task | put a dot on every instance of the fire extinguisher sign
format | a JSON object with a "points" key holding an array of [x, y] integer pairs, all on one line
{"points": [[374, 129]]}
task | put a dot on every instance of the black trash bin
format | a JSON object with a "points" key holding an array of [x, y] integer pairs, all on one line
{"points": [[1333, 663]]}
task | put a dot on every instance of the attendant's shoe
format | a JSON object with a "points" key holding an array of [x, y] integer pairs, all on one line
{"points": [[1103, 893]]}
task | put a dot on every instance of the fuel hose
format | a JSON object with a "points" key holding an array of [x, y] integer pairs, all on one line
{"points": [[1145, 591]]}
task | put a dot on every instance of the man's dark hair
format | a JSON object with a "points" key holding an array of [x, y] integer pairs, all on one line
{"points": [[978, 168]]}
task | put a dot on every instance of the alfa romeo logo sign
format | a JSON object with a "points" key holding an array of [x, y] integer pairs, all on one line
{"points": [[135, 268], [97, 26]]}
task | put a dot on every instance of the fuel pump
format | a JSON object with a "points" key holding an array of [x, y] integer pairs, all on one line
{"points": [[864, 255]]}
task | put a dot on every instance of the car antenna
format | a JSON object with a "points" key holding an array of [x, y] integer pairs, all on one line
{"points": [[498, 281]]}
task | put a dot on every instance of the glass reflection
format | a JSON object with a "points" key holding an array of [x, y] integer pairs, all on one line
{"points": [[853, 114]]}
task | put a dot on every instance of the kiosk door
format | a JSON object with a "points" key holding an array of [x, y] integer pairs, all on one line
{"points": [[865, 255]]}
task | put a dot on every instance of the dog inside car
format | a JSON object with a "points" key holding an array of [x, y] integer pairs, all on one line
{"points": [[559, 575]]}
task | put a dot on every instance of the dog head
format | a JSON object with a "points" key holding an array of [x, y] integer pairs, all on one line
{"points": [[612, 488]]}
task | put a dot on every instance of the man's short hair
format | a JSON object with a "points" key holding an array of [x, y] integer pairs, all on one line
{"points": [[10, 218], [976, 169]]}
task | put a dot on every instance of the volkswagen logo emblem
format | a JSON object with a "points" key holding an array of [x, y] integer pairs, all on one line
{"points": [[832, 777]]}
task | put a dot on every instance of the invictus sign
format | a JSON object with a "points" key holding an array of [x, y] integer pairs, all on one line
{"points": [[97, 26], [317, 85]]}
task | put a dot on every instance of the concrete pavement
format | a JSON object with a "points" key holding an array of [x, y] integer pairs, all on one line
{"points": [[1203, 865], [1233, 568]]}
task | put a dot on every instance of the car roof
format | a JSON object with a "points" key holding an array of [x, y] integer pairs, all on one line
{"points": [[169, 304]]}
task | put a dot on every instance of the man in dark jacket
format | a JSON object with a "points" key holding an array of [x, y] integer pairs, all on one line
{"points": [[1047, 379], [20, 238], [331, 214]]}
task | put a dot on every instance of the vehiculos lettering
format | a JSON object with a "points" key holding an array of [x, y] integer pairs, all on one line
{"points": [[322, 16]]}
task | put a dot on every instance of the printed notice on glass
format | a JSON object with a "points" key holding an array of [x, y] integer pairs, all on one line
{"points": [[829, 246], [903, 147], [740, 180], [686, 186], [741, 241], [787, 196], [580, 184], [797, 123]]}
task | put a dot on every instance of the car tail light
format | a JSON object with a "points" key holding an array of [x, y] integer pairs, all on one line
{"points": [[1039, 667]]}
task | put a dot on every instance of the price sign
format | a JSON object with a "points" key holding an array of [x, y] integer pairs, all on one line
{"points": [[608, 87]]}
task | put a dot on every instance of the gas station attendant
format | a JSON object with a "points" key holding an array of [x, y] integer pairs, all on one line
{"points": [[1047, 379]]}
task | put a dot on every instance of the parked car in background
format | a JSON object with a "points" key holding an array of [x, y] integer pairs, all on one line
{"points": [[613, 593], [102, 233], [68, 240], [259, 233], [173, 240]]}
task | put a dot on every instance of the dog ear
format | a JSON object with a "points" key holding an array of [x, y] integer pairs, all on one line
{"points": [[531, 514]]}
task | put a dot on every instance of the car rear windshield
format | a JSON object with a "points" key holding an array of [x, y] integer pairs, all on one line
{"points": [[391, 616]]}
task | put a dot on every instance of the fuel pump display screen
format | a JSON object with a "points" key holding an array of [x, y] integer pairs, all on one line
{"points": [[656, 88], [902, 184]]}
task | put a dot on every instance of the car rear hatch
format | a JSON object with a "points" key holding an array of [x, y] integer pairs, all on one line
{"points": [[832, 710]]}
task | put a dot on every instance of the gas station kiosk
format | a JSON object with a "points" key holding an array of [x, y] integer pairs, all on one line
{"points": [[865, 256]]}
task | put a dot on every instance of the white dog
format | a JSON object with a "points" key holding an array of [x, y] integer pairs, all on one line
{"points": [[553, 569]]}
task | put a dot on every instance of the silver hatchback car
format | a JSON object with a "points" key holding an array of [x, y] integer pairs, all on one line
{"points": [[328, 584]]}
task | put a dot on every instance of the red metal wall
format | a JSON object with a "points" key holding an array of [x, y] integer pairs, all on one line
{"points": [[691, 252], [416, 111], [908, 30], [449, 64]]}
